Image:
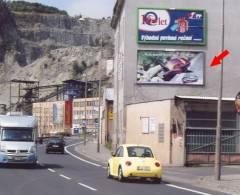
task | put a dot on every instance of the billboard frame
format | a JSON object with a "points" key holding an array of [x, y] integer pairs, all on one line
{"points": [[203, 43], [168, 83]]}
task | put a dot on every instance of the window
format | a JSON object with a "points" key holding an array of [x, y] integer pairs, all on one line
{"points": [[17, 134], [119, 152], [138, 151], [148, 124]]}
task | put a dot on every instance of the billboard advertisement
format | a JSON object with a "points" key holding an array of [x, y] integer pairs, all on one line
{"points": [[170, 67], [57, 113], [171, 26]]}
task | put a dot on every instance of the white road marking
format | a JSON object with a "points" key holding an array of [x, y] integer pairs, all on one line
{"points": [[51, 170], [104, 167], [68, 178], [86, 186], [86, 161], [186, 189]]}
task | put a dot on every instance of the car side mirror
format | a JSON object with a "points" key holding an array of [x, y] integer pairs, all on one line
{"points": [[113, 154]]}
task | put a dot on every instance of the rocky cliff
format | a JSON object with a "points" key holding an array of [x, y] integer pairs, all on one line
{"points": [[11, 48], [51, 47]]}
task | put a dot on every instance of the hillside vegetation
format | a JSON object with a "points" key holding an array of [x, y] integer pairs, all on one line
{"points": [[22, 6]]}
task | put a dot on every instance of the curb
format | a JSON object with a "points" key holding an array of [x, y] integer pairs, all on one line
{"points": [[89, 156]]}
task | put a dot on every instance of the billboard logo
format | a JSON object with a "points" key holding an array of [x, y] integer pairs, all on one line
{"points": [[153, 20], [180, 25]]}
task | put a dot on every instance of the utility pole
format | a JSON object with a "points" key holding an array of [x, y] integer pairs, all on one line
{"points": [[99, 116], [219, 110], [85, 112], [99, 98], [10, 97]]}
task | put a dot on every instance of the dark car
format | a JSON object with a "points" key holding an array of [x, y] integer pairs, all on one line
{"points": [[55, 145]]}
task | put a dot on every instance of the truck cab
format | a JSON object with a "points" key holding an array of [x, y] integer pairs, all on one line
{"points": [[18, 139]]}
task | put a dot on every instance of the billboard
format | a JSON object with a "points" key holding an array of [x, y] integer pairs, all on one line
{"points": [[57, 113], [171, 26], [170, 67]]}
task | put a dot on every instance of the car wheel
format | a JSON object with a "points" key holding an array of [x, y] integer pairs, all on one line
{"points": [[62, 152], [47, 152], [158, 180], [108, 172], [34, 165], [120, 175]]}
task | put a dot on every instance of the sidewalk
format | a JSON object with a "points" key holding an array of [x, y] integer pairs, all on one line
{"points": [[196, 176], [90, 151], [204, 177], [228, 184]]}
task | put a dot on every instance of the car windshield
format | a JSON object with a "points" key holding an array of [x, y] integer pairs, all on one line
{"points": [[139, 151], [18, 134], [55, 141]]}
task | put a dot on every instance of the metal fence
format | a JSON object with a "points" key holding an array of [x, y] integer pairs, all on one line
{"points": [[202, 140]]}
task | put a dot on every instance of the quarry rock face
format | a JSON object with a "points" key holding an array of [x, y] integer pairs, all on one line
{"points": [[51, 47]]}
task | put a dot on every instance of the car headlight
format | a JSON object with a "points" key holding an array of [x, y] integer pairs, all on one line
{"points": [[3, 148], [32, 149]]}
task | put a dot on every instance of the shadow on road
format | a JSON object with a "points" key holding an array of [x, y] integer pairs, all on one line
{"points": [[26, 166], [144, 181]]}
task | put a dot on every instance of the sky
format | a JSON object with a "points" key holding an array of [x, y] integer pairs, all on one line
{"points": [[88, 8]]}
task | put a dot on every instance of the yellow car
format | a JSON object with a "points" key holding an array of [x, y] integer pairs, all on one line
{"points": [[134, 161]]}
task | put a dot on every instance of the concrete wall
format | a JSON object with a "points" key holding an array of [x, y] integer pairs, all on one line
{"points": [[161, 111], [107, 122], [119, 82], [178, 119]]}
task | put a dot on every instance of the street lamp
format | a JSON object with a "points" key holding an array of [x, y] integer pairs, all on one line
{"points": [[99, 114], [85, 111], [99, 99], [99, 92]]}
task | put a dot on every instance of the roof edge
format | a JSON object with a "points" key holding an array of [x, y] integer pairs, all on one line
{"points": [[204, 98]]}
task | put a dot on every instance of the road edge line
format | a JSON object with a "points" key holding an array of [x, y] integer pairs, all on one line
{"points": [[77, 157], [187, 189]]}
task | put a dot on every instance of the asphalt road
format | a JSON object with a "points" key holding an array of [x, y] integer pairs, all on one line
{"points": [[59, 174]]}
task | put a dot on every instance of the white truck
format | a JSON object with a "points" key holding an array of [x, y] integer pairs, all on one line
{"points": [[18, 139]]}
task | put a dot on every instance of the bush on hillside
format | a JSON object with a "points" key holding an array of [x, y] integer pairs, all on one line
{"points": [[22, 6]]}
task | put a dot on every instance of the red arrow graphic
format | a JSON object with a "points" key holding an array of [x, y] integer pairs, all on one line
{"points": [[217, 59]]}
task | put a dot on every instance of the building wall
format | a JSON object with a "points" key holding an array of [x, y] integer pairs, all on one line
{"points": [[91, 113], [177, 137], [141, 93], [50, 121], [126, 47], [160, 111], [107, 122], [119, 64]]}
